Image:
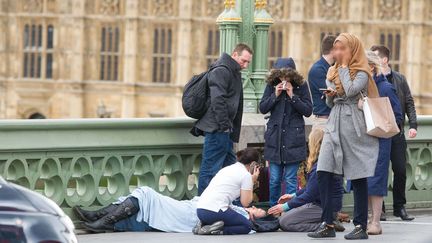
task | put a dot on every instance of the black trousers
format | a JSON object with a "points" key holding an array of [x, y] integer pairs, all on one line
{"points": [[360, 199], [398, 162]]}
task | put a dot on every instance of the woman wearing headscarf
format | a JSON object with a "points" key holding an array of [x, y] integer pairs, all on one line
{"points": [[377, 184], [346, 148], [287, 99]]}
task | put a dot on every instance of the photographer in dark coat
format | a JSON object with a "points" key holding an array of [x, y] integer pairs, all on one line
{"points": [[222, 122], [287, 99]]}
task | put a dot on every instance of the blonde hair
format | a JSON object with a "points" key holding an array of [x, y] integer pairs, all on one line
{"points": [[315, 139], [374, 60]]}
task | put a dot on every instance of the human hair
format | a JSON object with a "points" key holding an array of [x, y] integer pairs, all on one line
{"points": [[327, 44], [383, 51], [277, 75], [248, 155], [373, 59], [315, 139], [240, 47]]}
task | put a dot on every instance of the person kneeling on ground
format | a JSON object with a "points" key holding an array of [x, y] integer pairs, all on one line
{"points": [[230, 183], [302, 209], [147, 210]]}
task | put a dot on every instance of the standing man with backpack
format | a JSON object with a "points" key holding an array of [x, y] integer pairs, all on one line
{"points": [[221, 123]]}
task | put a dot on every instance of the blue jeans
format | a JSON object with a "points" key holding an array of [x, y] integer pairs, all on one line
{"points": [[288, 173], [217, 153], [131, 224], [234, 223]]}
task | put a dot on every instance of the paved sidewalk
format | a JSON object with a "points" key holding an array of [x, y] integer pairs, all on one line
{"points": [[395, 231]]}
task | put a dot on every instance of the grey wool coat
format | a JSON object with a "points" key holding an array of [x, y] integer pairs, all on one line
{"points": [[346, 147]]}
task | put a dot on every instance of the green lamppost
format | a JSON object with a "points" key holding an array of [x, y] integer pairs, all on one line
{"points": [[248, 22]]}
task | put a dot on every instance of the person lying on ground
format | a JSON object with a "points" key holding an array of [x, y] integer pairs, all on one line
{"points": [[147, 210]]}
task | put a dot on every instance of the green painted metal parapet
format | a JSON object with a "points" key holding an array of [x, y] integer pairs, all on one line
{"points": [[91, 162]]}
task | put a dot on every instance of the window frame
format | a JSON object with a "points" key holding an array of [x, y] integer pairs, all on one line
{"points": [[162, 54], [110, 52], [42, 52]]}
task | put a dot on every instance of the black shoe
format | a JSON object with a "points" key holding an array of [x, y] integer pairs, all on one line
{"points": [[197, 227], [324, 231], [338, 226], [213, 229], [358, 233], [402, 213], [91, 216], [383, 217], [106, 223]]}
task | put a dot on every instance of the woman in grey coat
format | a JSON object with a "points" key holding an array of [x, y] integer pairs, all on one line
{"points": [[347, 149]]}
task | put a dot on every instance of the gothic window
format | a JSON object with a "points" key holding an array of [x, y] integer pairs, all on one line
{"points": [[392, 40], [212, 50], [275, 46], [38, 51], [109, 53], [162, 54]]}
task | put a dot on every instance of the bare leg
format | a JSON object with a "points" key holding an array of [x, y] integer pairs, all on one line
{"points": [[375, 226]]}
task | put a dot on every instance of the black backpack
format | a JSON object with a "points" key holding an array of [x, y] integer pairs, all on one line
{"points": [[267, 224], [195, 99]]}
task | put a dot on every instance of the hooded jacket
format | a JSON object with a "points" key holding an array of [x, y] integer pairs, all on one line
{"points": [[285, 140]]}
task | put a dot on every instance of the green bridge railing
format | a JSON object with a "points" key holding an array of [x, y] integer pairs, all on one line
{"points": [[91, 162]]}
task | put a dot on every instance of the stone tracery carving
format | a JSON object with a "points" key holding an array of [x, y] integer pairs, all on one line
{"points": [[33, 6], [109, 7], [330, 9], [214, 7], [276, 8], [390, 9], [163, 7]]}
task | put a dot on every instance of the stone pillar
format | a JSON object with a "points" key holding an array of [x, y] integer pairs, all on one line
{"points": [[184, 53], [262, 22], [76, 101], [130, 59], [296, 33], [415, 54], [356, 15]]}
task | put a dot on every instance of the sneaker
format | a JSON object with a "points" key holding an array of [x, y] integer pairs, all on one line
{"points": [[358, 233], [213, 229], [338, 226], [197, 227], [324, 231]]}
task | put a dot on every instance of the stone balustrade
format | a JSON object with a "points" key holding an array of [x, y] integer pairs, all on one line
{"points": [[91, 162]]}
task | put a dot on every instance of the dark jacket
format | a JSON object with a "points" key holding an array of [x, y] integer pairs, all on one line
{"points": [[226, 99], [311, 193], [386, 89], [285, 140], [317, 80], [406, 100]]}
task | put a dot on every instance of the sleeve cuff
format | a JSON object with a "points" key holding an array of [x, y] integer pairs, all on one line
{"points": [[294, 195], [413, 125], [285, 207]]}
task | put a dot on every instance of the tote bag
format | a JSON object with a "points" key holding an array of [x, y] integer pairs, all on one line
{"points": [[379, 117]]}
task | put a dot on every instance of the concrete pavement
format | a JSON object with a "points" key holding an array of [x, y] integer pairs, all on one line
{"points": [[395, 231]]}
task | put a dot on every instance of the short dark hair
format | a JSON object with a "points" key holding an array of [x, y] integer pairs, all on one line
{"points": [[383, 51], [327, 44], [248, 155], [240, 47]]}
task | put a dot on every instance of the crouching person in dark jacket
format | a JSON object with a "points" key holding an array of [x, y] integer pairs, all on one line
{"points": [[222, 122], [287, 99], [302, 210]]}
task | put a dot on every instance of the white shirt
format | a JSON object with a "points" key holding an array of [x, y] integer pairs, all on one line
{"points": [[225, 187]]}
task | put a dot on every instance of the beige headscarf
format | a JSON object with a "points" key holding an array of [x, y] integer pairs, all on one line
{"points": [[358, 62]]}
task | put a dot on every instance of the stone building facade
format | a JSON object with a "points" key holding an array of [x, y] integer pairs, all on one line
{"points": [[131, 58]]}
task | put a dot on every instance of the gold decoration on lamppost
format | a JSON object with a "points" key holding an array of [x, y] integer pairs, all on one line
{"points": [[229, 4], [260, 4]]}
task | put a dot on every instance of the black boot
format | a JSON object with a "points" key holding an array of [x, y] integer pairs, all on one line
{"points": [[324, 231], [106, 223], [91, 216], [402, 213], [358, 233]]}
